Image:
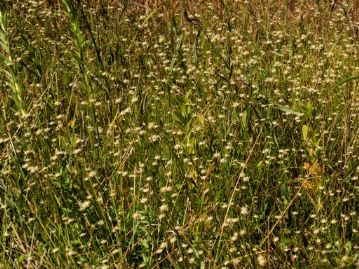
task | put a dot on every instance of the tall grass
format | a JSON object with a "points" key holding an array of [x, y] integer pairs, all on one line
{"points": [[9, 67], [160, 134]]}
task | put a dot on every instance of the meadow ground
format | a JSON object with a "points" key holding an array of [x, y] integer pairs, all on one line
{"points": [[179, 134]]}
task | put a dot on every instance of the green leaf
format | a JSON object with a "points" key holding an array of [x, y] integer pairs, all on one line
{"points": [[179, 118], [75, 242], [305, 130], [21, 258], [144, 243], [348, 247], [309, 109], [287, 110]]}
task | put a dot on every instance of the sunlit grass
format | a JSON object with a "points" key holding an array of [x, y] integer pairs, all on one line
{"points": [[142, 136]]}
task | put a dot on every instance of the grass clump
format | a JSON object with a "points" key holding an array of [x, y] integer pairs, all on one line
{"points": [[179, 135]]}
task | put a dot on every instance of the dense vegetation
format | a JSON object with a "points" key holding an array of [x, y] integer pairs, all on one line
{"points": [[173, 134]]}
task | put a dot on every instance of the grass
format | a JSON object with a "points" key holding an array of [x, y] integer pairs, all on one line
{"points": [[134, 134]]}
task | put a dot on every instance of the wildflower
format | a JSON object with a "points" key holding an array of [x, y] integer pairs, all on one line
{"points": [[261, 260]]}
